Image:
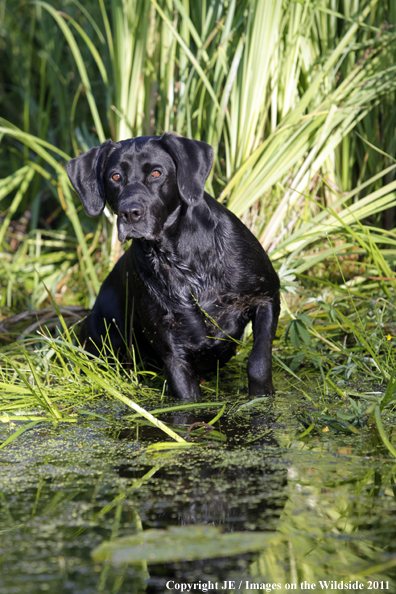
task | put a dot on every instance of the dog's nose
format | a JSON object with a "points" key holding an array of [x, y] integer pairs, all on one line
{"points": [[131, 213]]}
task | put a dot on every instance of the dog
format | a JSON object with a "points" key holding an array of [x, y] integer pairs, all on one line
{"points": [[194, 275]]}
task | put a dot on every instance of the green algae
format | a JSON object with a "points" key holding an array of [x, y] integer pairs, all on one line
{"points": [[328, 498]]}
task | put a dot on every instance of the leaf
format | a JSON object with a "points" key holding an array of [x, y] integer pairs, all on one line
{"points": [[182, 543], [306, 319], [390, 393], [170, 445], [382, 432], [294, 338], [297, 360], [303, 331], [346, 416]]}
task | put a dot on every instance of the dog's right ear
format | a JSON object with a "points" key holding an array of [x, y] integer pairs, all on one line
{"points": [[86, 176]]}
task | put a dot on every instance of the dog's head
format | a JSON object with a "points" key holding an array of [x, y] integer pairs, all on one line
{"points": [[144, 180]]}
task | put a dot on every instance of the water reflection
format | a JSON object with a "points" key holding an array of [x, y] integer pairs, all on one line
{"points": [[64, 492]]}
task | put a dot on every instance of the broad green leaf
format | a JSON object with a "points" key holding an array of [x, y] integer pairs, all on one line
{"points": [[182, 543]]}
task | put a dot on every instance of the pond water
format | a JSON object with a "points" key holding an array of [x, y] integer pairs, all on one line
{"points": [[319, 511]]}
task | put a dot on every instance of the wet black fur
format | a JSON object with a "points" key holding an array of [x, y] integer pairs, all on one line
{"points": [[194, 275]]}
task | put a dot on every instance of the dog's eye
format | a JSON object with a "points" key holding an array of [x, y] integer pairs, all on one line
{"points": [[116, 177], [156, 173]]}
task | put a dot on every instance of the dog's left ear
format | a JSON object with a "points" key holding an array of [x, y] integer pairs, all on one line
{"points": [[193, 160]]}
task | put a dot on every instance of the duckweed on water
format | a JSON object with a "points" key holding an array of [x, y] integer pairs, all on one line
{"points": [[325, 504]]}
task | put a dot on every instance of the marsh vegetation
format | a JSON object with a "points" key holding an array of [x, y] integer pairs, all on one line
{"points": [[297, 99]]}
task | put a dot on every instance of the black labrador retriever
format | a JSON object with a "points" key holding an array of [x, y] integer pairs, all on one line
{"points": [[194, 275]]}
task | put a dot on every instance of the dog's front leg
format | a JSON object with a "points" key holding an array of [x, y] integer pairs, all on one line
{"points": [[182, 380], [259, 367]]}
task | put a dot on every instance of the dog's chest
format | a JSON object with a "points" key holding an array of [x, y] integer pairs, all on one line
{"points": [[194, 315], [189, 308], [203, 332], [176, 281]]}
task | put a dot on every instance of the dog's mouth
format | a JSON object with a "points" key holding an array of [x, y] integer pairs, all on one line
{"points": [[125, 234]]}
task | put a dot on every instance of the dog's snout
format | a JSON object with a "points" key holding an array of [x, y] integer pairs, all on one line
{"points": [[131, 213]]}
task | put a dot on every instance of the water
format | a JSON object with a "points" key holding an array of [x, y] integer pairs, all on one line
{"points": [[323, 506]]}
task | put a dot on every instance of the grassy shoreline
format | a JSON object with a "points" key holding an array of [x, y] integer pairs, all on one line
{"points": [[297, 99]]}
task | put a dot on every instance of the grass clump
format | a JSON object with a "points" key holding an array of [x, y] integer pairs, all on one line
{"points": [[55, 381]]}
